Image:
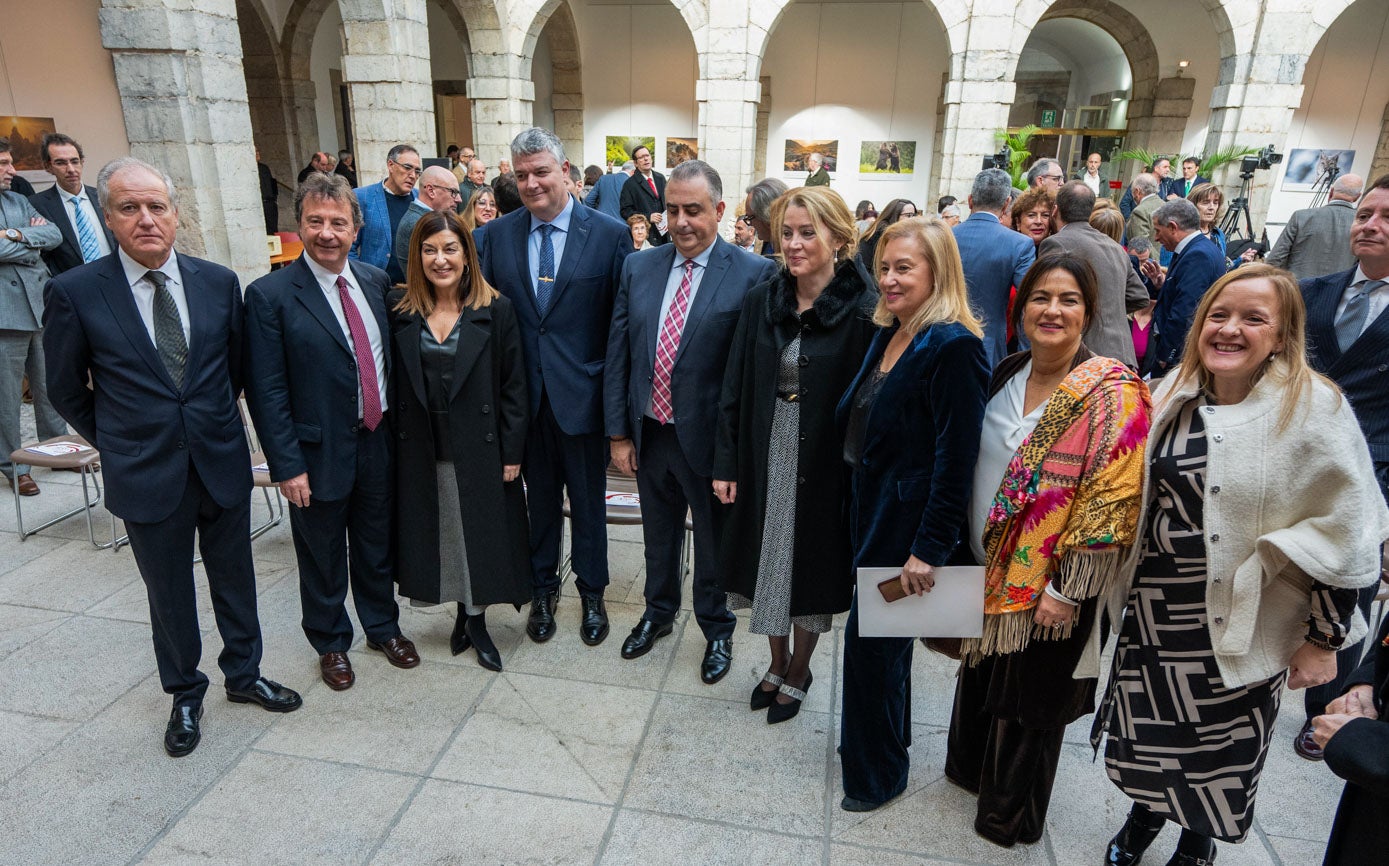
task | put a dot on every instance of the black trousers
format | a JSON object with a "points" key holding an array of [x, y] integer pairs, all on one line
{"points": [[348, 541], [164, 554], [668, 488], [1347, 660], [554, 462]]}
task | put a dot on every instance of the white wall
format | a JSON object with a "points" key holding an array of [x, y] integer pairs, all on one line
{"points": [[639, 72], [857, 72], [36, 80], [1345, 91], [543, 76], [326, 55]]}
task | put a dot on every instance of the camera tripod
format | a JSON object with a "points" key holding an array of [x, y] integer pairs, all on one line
{"points": [[1239, 207], [1323, 185]]}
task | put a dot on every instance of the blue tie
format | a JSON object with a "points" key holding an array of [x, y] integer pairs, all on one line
{"points": [[86, 235], [545, 282]]}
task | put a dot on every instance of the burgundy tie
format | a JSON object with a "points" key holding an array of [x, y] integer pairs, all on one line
{"points": [[667, 344], [366, 364], [651, 182]]}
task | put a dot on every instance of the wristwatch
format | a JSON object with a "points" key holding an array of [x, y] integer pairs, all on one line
{"points": [[13, 235]]}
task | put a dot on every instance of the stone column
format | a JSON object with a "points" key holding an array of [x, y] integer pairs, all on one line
{"points": [[976, 110], [1160, 127], [502, 108], [386, 68], [764, 125], [728, 132], [183, 96], [1380, 165]]}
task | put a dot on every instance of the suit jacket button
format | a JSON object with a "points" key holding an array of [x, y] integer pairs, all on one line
{"points": [[490, 438], [180, 443], [351, 365], [542, 332], [486, 409], [354, 428], [803, 361], [402, 435], [1383, 368], [800, 479]]}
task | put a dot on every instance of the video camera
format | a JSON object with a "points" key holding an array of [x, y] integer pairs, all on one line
{"points": [[1002, 159], [1263, 160]]}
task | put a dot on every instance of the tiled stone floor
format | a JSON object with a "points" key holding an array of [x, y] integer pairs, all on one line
{"points": [[571, 756]]}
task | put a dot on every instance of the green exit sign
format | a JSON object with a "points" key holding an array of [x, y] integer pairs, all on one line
{"points": [[1049, 117]]}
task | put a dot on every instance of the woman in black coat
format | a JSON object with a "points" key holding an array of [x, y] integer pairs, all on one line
{"points": [[460, 420], [777, 455], [912, 418]]}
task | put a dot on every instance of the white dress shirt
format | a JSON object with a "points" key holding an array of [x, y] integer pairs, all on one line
{"points": [[1092, 181], [557, 239], [143, 290], [328, 282], [677, 273], [89, 211], [1005, 427], [1377, 300]]}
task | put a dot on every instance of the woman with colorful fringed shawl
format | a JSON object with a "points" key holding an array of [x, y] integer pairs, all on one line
{"points": [[1054, 507]]}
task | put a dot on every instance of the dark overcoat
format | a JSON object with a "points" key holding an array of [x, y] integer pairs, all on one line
{"points": [[835, 333], [1359, 753], [487, 430], [911, 488]]}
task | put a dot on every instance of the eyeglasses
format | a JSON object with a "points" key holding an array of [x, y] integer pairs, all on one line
{"points": [[745, 219], [458, 194], [1056, 177], [409, 169]]}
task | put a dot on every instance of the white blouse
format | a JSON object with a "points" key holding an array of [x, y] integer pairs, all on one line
{"points": [[1005, 427]]}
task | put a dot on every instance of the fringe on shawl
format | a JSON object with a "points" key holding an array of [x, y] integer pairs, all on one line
{"points": [[1084, 574]]}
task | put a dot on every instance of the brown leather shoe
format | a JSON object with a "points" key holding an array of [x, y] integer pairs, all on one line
{"points": [[1304, 745], [399, 651], [336, 670], [27, 485]]}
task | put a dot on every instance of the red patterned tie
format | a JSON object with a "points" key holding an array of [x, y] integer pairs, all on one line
{"points": [[366, 364], [651, 182], [667, 344]]}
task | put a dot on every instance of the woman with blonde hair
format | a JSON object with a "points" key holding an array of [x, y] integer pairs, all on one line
{"points": [[460, 423], [912, 417], [1108, 221], [1261, 521], [785, 548], [480, 209]]}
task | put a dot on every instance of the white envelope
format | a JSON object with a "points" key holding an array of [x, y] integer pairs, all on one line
{"points": [[953, 608]]}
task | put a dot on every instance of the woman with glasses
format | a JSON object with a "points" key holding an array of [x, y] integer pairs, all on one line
{"points": [[481, 208]]}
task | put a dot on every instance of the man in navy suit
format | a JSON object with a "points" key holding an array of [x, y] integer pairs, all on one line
{"points": [[1181, 187], [673, 323], [559, 264], [606, 194], [1348, 341], [145, 361], [318, 352], [72, 207], [995, 258], [1196, 264]]}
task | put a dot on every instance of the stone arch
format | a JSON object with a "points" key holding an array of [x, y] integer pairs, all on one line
{"points": [[1127, 30], [296, 42], [263, 65]]}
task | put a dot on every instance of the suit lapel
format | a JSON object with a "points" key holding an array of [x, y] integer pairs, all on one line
{"points": [[1321, 316], [708, 287], [100, 217], [121, 302], [1372, 339], [310, 294], [58, 213], [520, 249], [653, 293], [408, 333], [573, 251], [197, 302], [473, 335]]}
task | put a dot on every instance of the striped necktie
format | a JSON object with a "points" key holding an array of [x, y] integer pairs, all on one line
{"points": [[169, 340], [1352, 321], [86, 234]]}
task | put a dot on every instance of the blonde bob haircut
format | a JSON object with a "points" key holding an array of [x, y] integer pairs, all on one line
{"points": [[1287, 367], [833, 220], [420, 294], [949, 299]]}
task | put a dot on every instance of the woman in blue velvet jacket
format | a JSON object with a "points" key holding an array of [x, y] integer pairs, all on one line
{"points": [[912, 420]]}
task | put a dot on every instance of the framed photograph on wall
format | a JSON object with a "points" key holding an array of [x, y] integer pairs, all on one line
{"points": [[887, 157], [1310, 168], [680, 149], [797, 153], [619, 147]]}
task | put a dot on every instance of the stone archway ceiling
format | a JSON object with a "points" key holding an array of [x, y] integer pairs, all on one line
{"points": [[1127, 30]]}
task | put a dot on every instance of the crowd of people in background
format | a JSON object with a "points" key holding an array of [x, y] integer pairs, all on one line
{"points": [[1136, 429]]}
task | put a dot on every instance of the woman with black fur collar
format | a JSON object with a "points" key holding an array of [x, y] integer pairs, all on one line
{"points": [[778, 458]]}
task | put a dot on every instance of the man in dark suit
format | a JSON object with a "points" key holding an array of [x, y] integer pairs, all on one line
{"points": [[158, 337], [1316, 240], [645, 193], [318, 349], [606, 194], [672, 326], [995, 257], [559, 264], [1181, 187], [1196, 264], [72, 207], [1348, 341]]}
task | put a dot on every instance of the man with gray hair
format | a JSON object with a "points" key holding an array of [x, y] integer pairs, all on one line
{"points": [[819, 176], [1046, 174], [145, 359], [995, 258], [677, 307], [1316, 240], [383, 204], [559, 264], [1196, 263], [606, 194], [757, 210], [439, 191], [1146, 202]]}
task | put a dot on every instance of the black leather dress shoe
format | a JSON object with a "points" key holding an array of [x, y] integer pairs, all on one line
{"points": [[643, 638], [718, 658], [182, 734], [593, 625], [540, 625], [1305, 746], [269, 694]]}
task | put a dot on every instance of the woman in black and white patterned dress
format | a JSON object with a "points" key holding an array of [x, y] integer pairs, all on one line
{"points": [[1244, 584]]}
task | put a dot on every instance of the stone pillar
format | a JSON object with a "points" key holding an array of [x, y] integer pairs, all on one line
{"points": [[302, 99], [1380, 165], [730, 36], [1254, 113], [728, 132], [976, 110], [386, 68], [1160, 126], [502, 108], [183, 96], [764, 125]]}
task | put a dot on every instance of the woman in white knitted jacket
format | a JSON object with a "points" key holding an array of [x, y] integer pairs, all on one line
{"points": [[1261, 521]]}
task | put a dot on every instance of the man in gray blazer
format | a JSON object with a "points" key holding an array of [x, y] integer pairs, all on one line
{"points": [[24, 236], [1145, 194], [1316, 240], [995, 258], [677, 307], [1120, 290]]}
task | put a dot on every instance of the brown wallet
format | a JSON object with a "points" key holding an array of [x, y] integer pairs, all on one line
{"points": [[892, 589]]}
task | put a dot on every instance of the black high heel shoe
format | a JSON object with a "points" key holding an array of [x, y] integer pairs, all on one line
{"points": [[778, 712], [475, 630], [1127, 847], [459, 640]]}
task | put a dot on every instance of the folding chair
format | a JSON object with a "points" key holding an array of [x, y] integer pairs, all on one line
{"points": [[86, 462], [620, 512]]}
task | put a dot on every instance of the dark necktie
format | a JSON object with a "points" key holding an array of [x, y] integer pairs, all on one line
{"points": [[366, 362], [168, 329], [1352, 320], [545, 278]]}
